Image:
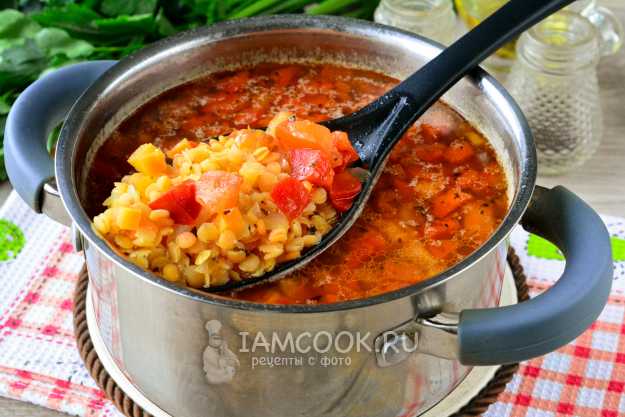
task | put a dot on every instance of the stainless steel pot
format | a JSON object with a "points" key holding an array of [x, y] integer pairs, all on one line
{"points": [[196, 354]]}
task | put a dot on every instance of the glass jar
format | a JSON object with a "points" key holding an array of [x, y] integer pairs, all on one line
{"points": [[554, 80], [433, 19], [609, 26], [472, 12]]}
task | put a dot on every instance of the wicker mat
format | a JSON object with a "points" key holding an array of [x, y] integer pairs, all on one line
{"points": [[475, 407]]}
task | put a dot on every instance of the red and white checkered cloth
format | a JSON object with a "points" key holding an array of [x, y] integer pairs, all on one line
{"points": [[39, 362]]}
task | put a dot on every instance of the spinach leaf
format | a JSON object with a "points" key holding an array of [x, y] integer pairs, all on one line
{"points": [[14, 24], [56, 41], [20, 64]]}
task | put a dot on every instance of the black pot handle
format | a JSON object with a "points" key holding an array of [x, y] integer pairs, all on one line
{"points": [[35, 113], [560, 314]]}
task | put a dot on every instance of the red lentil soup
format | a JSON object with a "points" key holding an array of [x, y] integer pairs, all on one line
{"points": [[441, 195]]}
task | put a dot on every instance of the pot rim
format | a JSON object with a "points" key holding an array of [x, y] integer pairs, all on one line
{"points": [[66, 150]]}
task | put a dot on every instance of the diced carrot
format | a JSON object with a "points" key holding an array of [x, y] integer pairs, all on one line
{"points": [[286, 75], [442, 249], [479, 220], [234, 83], [316, 99], [445, 203], [251, 139], [232, 219], [430, 152], [475, 182], [459, 151], [442, 229], [128, 218], [149, 160]]}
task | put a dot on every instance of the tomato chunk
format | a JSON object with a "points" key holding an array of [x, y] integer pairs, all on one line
{"points": [[311, 165], [181, 203], [345, 148], [447, 202], [219, 190], [304, 134], [291, 197], [344, 189]]}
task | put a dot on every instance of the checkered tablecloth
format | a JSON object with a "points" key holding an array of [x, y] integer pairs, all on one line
{"points": [[39, 362]]}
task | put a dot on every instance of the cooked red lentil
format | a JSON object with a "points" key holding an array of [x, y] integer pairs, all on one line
{"points": [[441, 195], [232, 207]]}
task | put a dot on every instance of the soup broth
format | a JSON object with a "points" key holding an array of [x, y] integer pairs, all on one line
{"points": [[441, 195]]}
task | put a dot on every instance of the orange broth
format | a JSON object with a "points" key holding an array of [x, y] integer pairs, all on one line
{"points": [[441, 195]]}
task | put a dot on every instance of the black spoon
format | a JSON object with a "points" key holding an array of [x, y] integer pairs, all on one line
{"points": [[377, 127]]}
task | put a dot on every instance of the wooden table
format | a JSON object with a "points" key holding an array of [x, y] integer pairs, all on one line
{"points": [[601, 182]]}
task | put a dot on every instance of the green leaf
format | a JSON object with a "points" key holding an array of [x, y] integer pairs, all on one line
{"points": [[3, 171], [53, 138], [330, 6], [163, 25], [21, 64], [127, 7], [6, 100], [14, 24], [57, 41], [75, 19], [127, 25]]}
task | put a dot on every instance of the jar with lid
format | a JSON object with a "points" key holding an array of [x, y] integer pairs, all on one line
{"points": [[554, 80], [433, 19]]}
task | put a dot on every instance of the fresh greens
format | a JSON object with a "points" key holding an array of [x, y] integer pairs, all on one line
{"points": [[37, 36]]}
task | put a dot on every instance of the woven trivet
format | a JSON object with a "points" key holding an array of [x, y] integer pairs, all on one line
{"points": [[475, 407]]}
